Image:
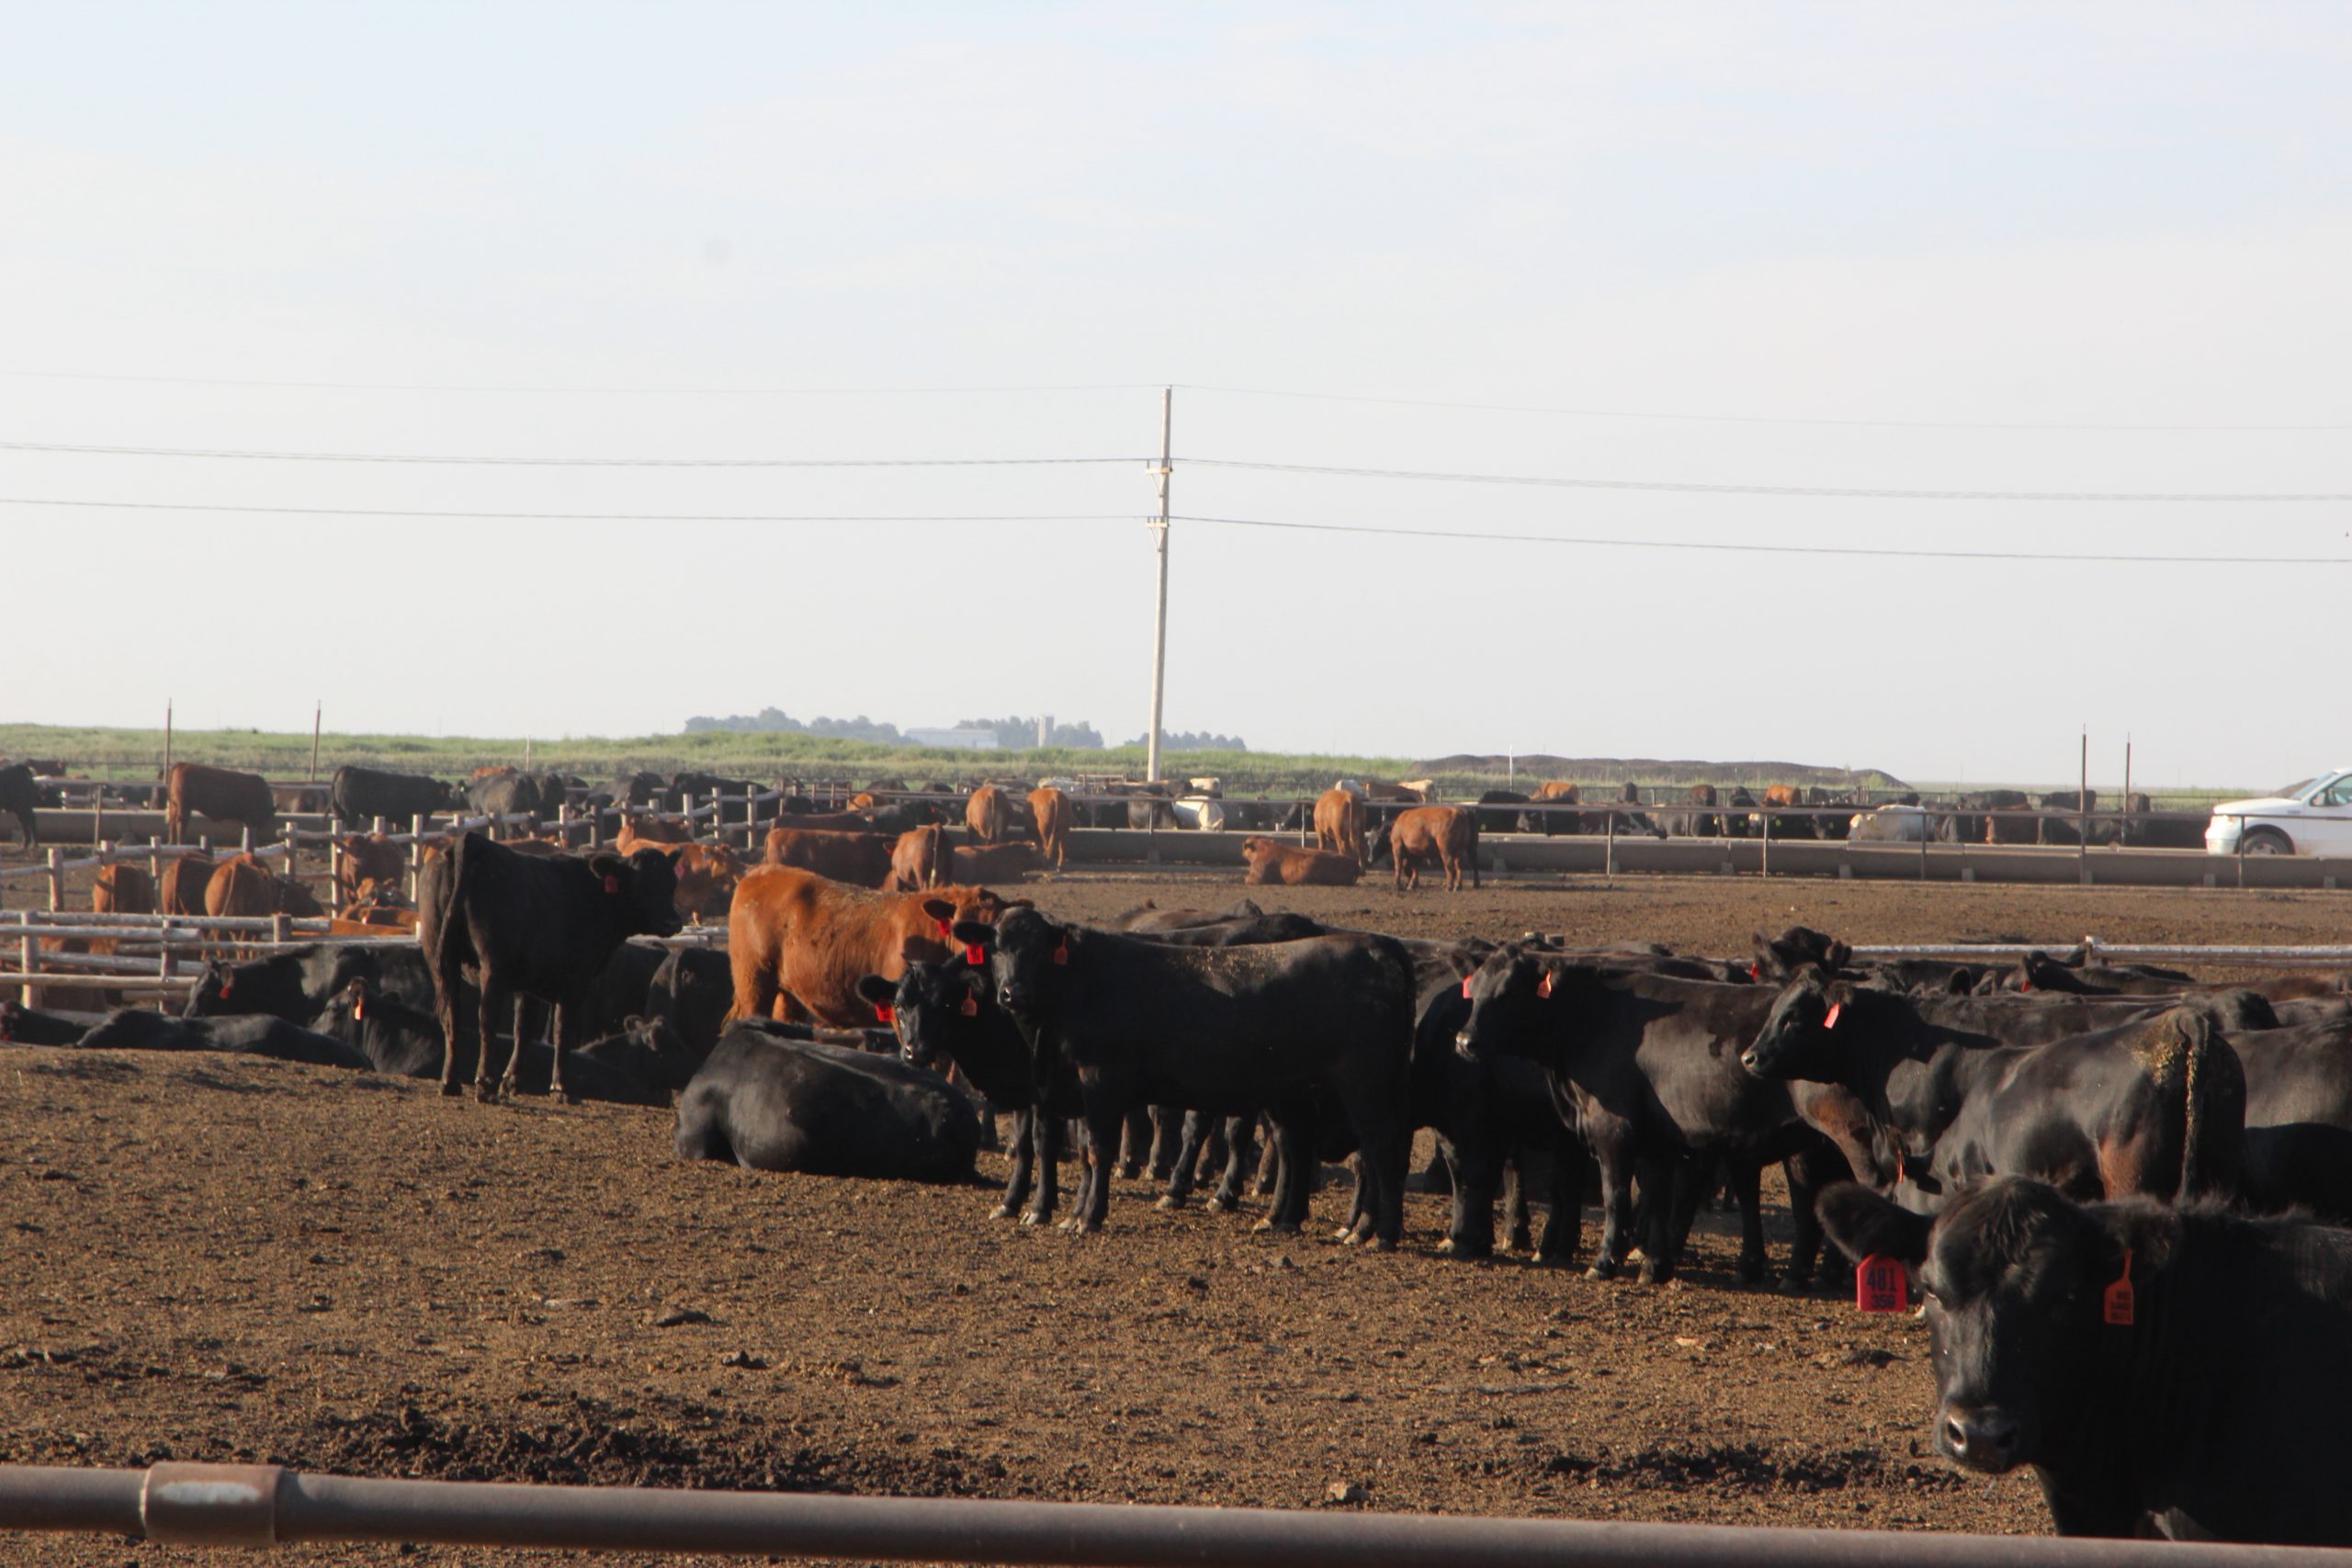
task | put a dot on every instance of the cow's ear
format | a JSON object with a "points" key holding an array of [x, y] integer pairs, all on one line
{"points": [[1838, 993], [1463, 962], [976, 933], [1864, 1225], [877, 990], [939, 909], [1020, 904]]}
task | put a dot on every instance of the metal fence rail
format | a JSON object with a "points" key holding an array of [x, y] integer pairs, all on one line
{"points": [[262, 1505]]}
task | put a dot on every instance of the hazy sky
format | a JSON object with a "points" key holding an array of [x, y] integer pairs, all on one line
{"points": [[625, 215]]}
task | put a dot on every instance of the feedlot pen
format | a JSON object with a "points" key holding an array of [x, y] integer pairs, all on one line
{"points": [[224, 1258]]}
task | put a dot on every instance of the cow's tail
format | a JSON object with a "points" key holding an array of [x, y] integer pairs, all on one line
{"points": [[2200, 1073], [448, 957]]}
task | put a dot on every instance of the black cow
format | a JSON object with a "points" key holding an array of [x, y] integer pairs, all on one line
{"points": [[541, 926], [1645, 1067], [21, 1025], [769, 1101], [1698, 817], [1226, 1031], [507, 794], [1503, 811], [1491, 1117], [704, 788], [297, 986], [2180, 1368], [640, 1064], [359, 796], [19, 795], [2155, 1106], [137, 1029], [2298, 1117], [693, 992]]}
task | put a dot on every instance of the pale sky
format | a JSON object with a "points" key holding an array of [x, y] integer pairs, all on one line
{"points": [[1937, 217]]}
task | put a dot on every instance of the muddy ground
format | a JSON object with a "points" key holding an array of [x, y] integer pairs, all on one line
{"points": [[230, 1257]]}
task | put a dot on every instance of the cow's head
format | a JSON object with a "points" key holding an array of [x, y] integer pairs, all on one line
{"points": [[1028, 959], [642, 890], [1508, 991], [1779, 957], [2017, 1285], [1800, 1037], [941, 1013], [707, 877], [213, 995]]}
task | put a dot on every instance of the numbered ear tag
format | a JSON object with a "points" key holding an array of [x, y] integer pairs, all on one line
{"points": [[2116, 1301], [971, 1006], [1543, 986], [1834, 1008], [1061, 954], [973, 956], [1881, 1284], [885, 1013]]}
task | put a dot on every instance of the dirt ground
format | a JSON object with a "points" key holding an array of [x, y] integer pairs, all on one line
{"points": [[232, 1257]]}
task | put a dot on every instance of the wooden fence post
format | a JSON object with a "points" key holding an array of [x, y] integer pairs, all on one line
{"points": [[56, 878], [415, 855]]}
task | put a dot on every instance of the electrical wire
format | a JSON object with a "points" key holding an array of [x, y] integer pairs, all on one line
{"points": [[1692, 488], [583, 516], [564, 462], [601, 390], [1621, 544]]}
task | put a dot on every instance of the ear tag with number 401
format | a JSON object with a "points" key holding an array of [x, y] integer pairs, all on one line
{"points": [[1881, 1284]]}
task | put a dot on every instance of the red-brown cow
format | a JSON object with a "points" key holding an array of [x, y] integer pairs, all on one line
{"points": [[862, 860], [371, 858], [799, 944], [1446, 834], [919, 860], [707, 877], [996, 863], [245, 886], [1339, 823], [1559, 792], [223, 795], [185, 880], [659, 832], [120, 889], [988, 814], [817, 822], [1288, 865], [1050, 807]]}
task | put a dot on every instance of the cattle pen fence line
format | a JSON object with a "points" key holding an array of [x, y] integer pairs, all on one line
{"points": [[238, 1506]]}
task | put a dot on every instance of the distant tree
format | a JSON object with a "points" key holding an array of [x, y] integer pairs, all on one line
{"points": [[1194, 740]]}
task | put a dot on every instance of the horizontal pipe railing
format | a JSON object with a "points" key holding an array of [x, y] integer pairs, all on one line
{"points": [[179, 1504]]}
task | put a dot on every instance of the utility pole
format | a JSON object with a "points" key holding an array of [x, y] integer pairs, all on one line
{"points": [[1159, 617]]}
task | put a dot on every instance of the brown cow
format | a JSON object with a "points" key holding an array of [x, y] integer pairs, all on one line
{"points": [[1446, 834], [1339, 823], [799, 944], [707, 877], [120, 889], [1398, 794], [371, 858], [245, 886], [919, 860], [820, 822], [643, 830], [1559, 792], [223, 795], [379, 904], [988, 814], [185, 880], [862, 860], [1050, 807], [1289, 866], [996, 863]]}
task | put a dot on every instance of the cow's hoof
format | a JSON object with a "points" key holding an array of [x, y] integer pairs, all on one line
{"points": [[1652, 1272], [1033, 1218], [1346, 1237], [1602, 1269], [1168, 1202], [1222, 1204], [1382, 1244], [1130, 1172], [565, 1097], [1751, 1271], [1790, 1285], [1086, 1227], [486, 1093], [1521, 1241], [452, 1091], [1002, 1212]]}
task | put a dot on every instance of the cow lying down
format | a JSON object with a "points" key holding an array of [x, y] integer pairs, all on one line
{"points": [[769, 1101], [641, 1064], [257, 1034]]}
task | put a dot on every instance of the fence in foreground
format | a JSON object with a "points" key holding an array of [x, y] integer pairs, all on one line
{"points": [[264, 1505]]}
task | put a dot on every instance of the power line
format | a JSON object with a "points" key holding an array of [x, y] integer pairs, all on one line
{"points": [[1810, 491], [625, 392], [583, 516], [1597, 543], [564, 462], [1748, 418]]}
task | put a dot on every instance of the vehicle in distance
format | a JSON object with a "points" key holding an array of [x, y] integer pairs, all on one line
{"points": [[2311, 817]]}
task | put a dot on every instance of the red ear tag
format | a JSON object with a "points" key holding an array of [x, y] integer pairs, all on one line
{"points": [[1755, 970], [885, 1013], [1061, 954], [943, 932], [227, 984], [2026, 984], [973, 956], [2116, 1301], [1543, 986], [612, 882], [1465, 987], [971, 1006], [1881, 1284], [1834, 1008]]}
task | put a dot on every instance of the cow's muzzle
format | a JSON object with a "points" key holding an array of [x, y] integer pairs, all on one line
{"points": [[1981, 1440]]}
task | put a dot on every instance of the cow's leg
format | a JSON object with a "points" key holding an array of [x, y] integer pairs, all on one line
{"points": [[1136, 1150], [1473, 863], [1183, 1169], [511, 1081], [1470, 1228], [1166, 1137], [1239, 1135], [1616, 1212], [1016, 1187], [1745, 1177], [1287, 1146], [1681, 1183], [488, 1023], [1519, 1234], [446, 1004], [1047, 1133], [1564, 1226], [1104, 1117]]}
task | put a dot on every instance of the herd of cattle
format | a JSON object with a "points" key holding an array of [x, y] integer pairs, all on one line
{"points": [[2120, 1188]]}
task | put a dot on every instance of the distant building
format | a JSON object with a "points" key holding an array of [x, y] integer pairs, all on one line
{"points": [[955, 740]]}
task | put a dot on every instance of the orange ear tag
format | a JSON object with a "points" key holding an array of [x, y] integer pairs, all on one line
{"points": [[1061, 954], [359, 1010], [1543, 986], [1465, 987], [971, 1008], [885, 1013], [1834, 1008], [2116, 1301], [1881, 1284]]}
